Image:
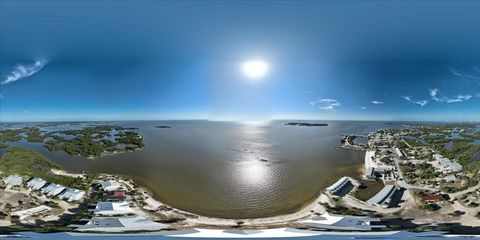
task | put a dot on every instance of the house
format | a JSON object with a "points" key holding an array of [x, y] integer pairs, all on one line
{"points": [[112, 208], [384, 197], [450, 178], [71, 195], [116, 195], [120, 224], [343, 223], [445, 165], [36, 183], [53, 190], [109, 185], [13, 180], [432, 198]]}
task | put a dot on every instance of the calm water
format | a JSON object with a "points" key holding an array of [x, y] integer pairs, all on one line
{"points": [[214, 168]]}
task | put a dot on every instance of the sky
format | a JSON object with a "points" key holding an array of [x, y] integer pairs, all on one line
{"points": [[155, 60]]}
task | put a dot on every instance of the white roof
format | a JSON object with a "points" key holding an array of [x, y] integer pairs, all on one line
{"points": [[120, 224], [112, 208], [72, 194], [13, 180], [36, 183], [110, 185], [53, 189]]}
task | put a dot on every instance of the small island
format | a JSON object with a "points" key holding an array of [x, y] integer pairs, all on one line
{"points": [[304, 124], [163, 126]]}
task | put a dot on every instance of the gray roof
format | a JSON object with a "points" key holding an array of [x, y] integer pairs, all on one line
{"points": [[383, 196]]}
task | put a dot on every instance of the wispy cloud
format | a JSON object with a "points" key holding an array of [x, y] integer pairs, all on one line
{"points": [[436, 96], [363, 108], [325, 104], [23, 71], [377, 102], [461, 74], [419, 102]]}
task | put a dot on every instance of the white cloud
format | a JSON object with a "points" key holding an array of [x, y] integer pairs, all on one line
{"points": [[325, 104], [23, 71], [363, 108], [436, 96], [466, 75], [377, 102], [419, 102]]}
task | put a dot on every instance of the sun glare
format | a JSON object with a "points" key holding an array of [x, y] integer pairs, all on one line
{"points": [[255, 69]]}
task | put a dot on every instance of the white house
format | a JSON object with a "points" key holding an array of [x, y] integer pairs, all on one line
{"points": [[112, 208], [109, 185], [71, 195], [36, 183], [13, 180], [53, 190]]}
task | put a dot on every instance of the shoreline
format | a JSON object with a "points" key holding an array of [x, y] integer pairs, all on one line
{"points": [[196, 220]]}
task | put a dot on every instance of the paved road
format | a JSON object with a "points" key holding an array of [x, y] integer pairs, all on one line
{"points": [[403, 183]]}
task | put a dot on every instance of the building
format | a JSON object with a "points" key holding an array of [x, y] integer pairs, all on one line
{"points": [[53, 190], [112, 208], [109, 185], [71, 195], [432, 198], [120, 224], [31, 211], [345, 223], [13, 180], [445, 165], [36, 183], [384, 197], [450, 178], [399, 153], [117, 195], [342, 186]]}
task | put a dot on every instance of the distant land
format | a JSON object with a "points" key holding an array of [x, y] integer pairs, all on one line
{"points": [[304, 124]]}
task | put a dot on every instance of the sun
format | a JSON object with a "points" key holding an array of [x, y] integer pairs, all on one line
{"points": [[255, 69]]}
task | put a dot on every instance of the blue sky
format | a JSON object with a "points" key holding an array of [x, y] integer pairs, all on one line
{"points": [[131, 60]]}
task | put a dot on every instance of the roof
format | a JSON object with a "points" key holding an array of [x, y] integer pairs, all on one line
{"points": [[72, 194], [53, 189], [436, 197], [383, 196], [110, 185], [120, 224], [13, 180], [36, 183], [112, 208]]}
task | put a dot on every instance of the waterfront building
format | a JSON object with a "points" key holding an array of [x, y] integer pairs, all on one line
{"points": [[384, 197], [13, 180], [109, 185], [120, 224], [341, 187], [53, 190], [112, 208], [71, 195], [340, 222], [36, 183]]}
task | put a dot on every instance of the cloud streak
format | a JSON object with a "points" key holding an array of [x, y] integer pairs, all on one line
{"points": [[325, 104], [23, 71], [419, 102], [466, 75], [377, 102], [436, 96]]}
